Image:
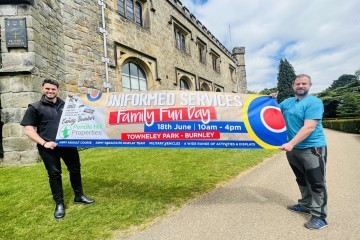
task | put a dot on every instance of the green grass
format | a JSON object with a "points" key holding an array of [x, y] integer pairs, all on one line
{"points": [[132, 187]]}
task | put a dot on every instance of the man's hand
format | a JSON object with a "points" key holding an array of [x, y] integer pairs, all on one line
{"points": [[287, 147], [51, 145], [274, 95]]}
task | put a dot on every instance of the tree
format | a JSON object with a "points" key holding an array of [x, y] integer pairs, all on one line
{"points": [[268, 91], [357, 73], [349, 106], [251, 92], [343, 80], [285, 78], [342, 101], [330, 106]]}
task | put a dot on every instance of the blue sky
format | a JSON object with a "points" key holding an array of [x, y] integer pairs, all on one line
{"points": [[318, 37]]}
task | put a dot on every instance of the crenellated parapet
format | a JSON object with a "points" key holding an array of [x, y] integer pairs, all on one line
{"points": [[191, 18]]}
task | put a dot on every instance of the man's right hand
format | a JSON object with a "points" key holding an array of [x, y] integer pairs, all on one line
{"points": [[274, 95], [287, 147], [51, 145]]}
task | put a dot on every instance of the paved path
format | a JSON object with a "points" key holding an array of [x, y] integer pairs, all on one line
{"points": [[253, 206]]}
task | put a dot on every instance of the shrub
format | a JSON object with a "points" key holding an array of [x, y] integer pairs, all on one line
{"points": [[344, 125]]}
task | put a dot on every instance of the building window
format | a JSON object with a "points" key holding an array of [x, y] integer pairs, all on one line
{"points": [[219, 88], [121, 7], [215, 61], [180, 39], [130, 9], [201, 51], [205, 87], [138, 13], [133, 78], [232, 73], [184, 84]]}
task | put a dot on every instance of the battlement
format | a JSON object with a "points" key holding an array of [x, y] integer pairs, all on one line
{"points": [[191, 18]]}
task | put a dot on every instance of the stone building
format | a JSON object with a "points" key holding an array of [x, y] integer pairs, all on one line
{"points": [[107, 46]]}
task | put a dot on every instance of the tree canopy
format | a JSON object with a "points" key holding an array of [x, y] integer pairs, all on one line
{"points": [[268, 91], [285, 78], [343, 80], [342, 100]]}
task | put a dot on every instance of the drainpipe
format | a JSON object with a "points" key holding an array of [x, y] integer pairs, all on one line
{"points": [[105, 58]]}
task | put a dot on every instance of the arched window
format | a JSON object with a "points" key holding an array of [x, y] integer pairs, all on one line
{"points": [[133, 78], [130, 9], [205, 87], [184, 85]]}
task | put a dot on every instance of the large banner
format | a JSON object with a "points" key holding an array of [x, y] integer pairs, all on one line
{"points": [[178, 119]]}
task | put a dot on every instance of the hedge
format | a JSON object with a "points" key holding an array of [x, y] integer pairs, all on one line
{"points": [[344, 125]]}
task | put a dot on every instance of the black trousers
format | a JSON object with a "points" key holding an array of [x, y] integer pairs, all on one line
{"points": [[51, 159], [309, 167]]}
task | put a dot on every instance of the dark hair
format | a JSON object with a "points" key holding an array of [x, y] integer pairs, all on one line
{"points": [[50, 81]]}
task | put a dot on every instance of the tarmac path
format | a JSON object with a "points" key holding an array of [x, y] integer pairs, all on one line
{"points": [[253, 205]]}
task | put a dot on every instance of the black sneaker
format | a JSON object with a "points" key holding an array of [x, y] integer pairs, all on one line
{"points": [[316, 223], [298, 209]]}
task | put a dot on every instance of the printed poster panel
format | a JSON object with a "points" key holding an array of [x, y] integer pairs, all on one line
{"points": [[177, 119]]}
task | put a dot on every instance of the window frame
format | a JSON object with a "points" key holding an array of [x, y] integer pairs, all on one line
{"points": [[182, 81], [232, 71], [132, 13], [202, 49], [181, 38], [138, 14], [131, 77], [215, 61], [219, 88]]}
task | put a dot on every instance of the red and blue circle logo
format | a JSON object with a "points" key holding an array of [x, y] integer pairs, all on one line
{"points": [[94, 96], [264, 121]]}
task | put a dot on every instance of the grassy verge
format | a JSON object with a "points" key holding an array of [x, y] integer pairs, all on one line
{"points": [[132, 187]]}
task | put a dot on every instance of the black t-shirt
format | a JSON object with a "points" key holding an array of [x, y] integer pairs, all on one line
{"points": [[45, 116]]}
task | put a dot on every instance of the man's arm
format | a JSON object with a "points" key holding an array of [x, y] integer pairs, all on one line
{"points": [[30, 131], [304, 132]]}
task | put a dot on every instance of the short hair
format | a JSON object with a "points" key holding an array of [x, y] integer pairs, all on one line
{"points": [[301, 76], [50, 81]]}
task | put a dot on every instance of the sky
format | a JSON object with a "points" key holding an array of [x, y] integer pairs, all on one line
{"points": [[320, 38]]}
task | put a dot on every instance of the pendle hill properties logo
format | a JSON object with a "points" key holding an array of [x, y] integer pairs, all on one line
{"points": [[65, 131]]}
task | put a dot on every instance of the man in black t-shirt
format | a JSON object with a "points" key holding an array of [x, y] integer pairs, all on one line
{"points": [[41, 122]]}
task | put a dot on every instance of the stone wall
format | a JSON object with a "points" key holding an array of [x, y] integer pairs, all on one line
{"points": [[64, 43], [18, 87], [157, 41]]}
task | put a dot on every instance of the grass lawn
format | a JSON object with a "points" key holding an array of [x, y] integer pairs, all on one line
{"points": [[131, 187]]}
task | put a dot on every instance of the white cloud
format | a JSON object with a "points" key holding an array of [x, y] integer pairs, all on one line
{"points": [[320, 38]]}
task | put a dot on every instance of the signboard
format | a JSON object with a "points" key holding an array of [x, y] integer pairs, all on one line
{"points": [[15, 33], [179, 119]]}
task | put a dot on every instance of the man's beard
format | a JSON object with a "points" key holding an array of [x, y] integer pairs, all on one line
{"points": [[301, 94]]}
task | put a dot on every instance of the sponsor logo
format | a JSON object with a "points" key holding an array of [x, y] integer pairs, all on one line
{"points": [[88, 110], [93, 97], [65, 131]]}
